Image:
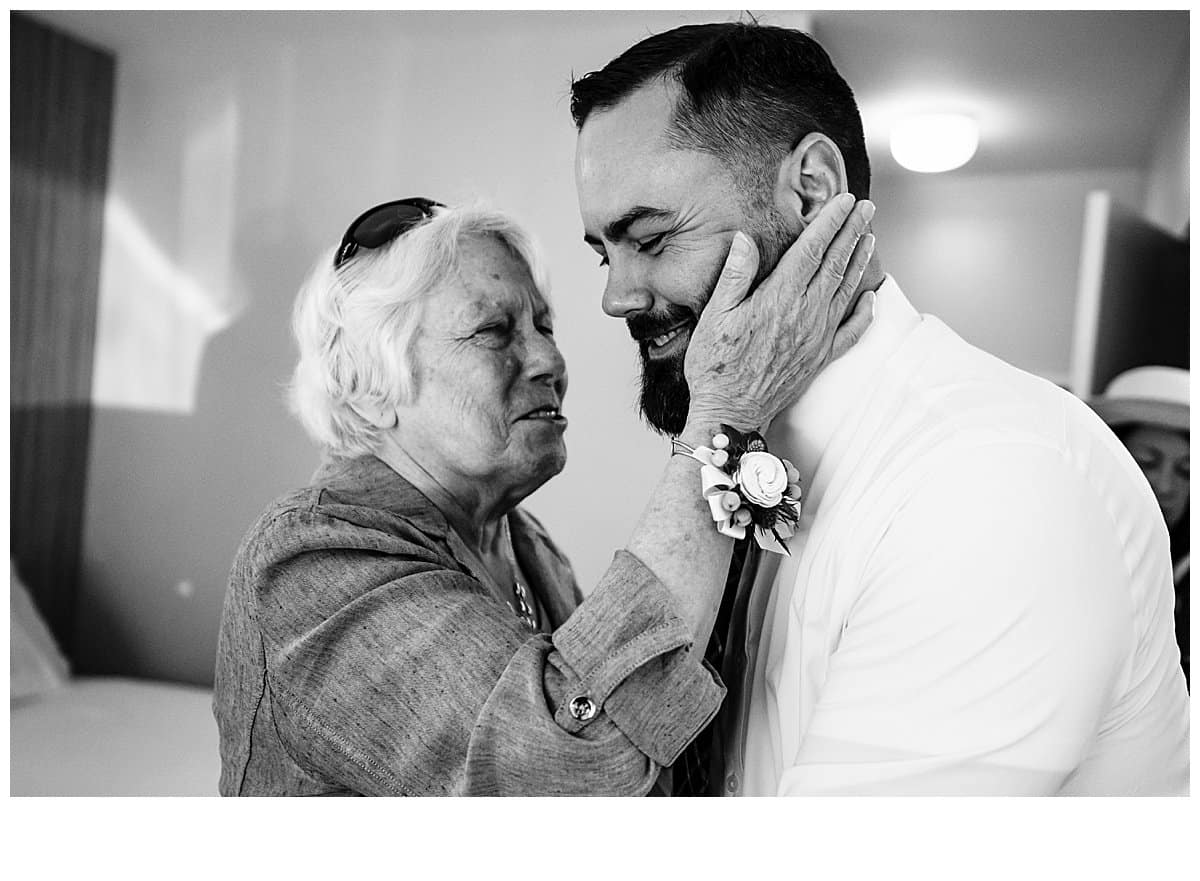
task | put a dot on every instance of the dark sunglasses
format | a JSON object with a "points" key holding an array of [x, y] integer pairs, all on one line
{"points": [[382, 224]]}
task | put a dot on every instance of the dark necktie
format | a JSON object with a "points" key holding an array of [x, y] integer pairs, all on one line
{"points": [[696, 766]]}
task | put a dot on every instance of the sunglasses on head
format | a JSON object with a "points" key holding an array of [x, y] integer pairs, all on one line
{"points": [[382, 224]]}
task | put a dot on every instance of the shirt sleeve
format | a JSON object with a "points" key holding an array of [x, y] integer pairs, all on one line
{"points": [[391, 673], [987, 640]]}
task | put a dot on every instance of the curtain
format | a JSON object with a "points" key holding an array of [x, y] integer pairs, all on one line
{"points": [[61, 95]]}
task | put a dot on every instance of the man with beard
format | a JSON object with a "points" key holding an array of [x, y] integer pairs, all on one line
{"points": [[978, 594]]}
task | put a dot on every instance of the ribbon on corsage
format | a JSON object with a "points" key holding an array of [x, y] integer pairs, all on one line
{"points": [[748, 488]]}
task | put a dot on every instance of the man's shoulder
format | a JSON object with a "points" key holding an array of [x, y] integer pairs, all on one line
{"points": [[961, 395], [964, 414]]}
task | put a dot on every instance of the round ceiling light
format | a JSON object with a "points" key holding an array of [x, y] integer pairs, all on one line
{"points": [[935, 141]]}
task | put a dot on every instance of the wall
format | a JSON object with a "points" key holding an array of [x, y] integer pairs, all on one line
{"points": [[995, 256], [1168, 188], [237, 159]]}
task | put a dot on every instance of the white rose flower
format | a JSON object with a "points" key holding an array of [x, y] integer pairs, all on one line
{"points": [[762, 479]]}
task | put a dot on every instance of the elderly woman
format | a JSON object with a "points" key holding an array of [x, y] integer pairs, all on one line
{"points": [[401, 626], [1148, 409]]}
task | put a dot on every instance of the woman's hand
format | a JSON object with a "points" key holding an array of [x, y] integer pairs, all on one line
{"points": [[752, 356]]}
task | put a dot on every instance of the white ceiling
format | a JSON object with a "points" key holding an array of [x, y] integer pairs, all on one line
{"points": [[1051, 89]]}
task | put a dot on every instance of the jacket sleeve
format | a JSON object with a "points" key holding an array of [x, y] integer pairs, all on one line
{"points": [[391, 673]]}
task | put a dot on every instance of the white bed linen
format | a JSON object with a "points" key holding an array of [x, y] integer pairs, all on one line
{"points": [[114, 736]]}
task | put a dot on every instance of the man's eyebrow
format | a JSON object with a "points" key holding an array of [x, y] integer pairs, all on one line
{"points": [[619, 227]]}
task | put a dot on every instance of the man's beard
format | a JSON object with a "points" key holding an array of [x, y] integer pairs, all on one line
{"points": [[665, 397]]}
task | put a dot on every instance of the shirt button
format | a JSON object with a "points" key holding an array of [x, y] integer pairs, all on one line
{"points": [[583, 709], [731, 783]]}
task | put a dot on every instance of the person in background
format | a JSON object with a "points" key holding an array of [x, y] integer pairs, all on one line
{"points": [[1148, 409], [961, 517], [401, 626]]}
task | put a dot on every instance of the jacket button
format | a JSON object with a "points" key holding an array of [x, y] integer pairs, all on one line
{"points": [[731, 783], [583, 709]]}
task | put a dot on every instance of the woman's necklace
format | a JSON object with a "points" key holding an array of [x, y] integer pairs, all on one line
{"points": [[523, 601], [516, 596]]}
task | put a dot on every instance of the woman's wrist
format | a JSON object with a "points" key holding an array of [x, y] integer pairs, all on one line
{"points": [[699, 432], [703, 423], [749, 490]]}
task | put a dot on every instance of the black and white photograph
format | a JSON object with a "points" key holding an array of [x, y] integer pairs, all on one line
{"points": [[546, 402]]}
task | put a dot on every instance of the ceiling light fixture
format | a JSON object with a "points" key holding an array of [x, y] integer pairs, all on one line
{"points": [[934, 142]]}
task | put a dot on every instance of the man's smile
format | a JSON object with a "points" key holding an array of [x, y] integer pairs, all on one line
{"points": [[668, 344]]}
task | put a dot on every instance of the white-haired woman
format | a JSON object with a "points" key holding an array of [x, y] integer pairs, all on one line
{"points": [[401, 626]]}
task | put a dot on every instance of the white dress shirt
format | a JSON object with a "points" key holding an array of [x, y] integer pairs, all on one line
{"points": [[979, 596]]}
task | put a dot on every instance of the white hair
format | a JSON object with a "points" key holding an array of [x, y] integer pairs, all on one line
{"points": [[355, 325]]}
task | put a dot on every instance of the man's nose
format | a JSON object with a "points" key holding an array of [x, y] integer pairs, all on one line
{"points": [[625, 294]]}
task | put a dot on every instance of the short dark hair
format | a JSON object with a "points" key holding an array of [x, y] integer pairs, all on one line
{"points": [[749, 94]]}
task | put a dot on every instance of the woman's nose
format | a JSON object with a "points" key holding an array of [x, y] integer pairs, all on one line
{"points": [[544, 362], [1160, 481]]}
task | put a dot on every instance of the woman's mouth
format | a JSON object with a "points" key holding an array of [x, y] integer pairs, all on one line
{"points": [[545, 414]]}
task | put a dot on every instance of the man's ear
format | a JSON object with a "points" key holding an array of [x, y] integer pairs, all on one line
{"points": [[812, 174], [377, 414]]}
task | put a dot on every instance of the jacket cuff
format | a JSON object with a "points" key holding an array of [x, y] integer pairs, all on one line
{"points": [[666, 703], [633, 655]]}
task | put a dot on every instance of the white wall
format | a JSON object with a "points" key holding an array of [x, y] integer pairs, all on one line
{"points": [[234, 163], [238, 159], [1168, 189], [995, 256]]}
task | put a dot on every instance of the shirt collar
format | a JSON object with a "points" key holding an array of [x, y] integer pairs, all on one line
{"points": [[371, 482], [368, 481], [802, 433]]}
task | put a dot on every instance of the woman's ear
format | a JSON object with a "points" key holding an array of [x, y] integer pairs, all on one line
{"points": [[812, 174], [377, 414]]}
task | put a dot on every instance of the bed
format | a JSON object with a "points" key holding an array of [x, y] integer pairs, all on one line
{"points": [[99, 735]]}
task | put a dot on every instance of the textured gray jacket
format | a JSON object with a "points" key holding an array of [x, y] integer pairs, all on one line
{"points": [[358, 654]]}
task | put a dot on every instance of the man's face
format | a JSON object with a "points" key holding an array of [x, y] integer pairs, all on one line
{"points": [[662, 220]]}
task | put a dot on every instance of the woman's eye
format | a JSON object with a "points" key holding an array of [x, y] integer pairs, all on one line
{"points": [[1146, 458]]}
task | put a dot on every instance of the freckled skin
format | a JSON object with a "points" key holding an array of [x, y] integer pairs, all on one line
{"points": [[484, 357]]}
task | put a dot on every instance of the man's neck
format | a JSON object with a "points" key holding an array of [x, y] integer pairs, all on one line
{"points": [[802, 432], [872, 278]]}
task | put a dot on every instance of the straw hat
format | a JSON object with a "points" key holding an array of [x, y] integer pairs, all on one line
{"points": [[1147, 395]]}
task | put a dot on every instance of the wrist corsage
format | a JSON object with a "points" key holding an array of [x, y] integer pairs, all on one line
{"points": [[748, 488]]}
